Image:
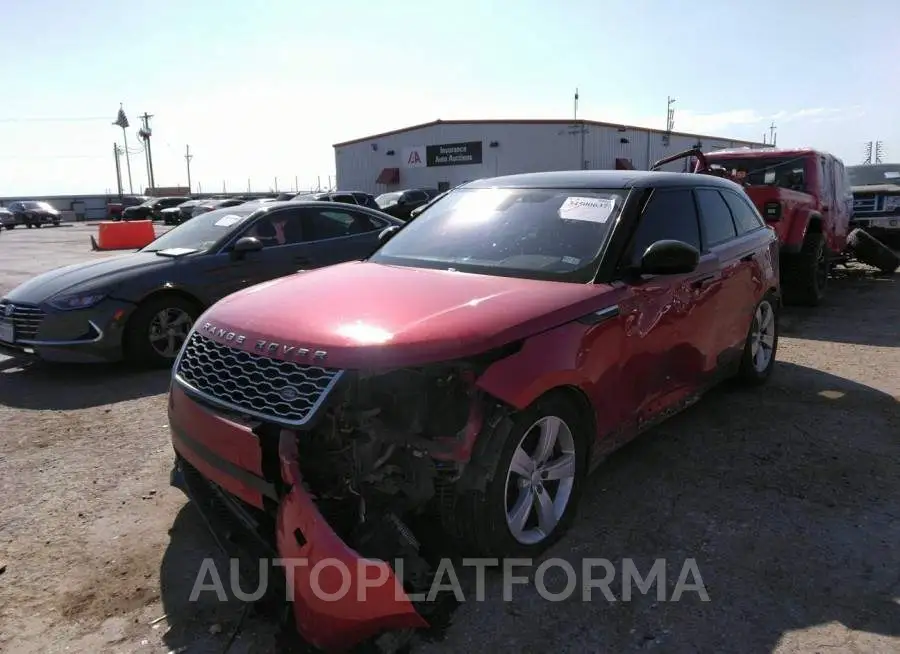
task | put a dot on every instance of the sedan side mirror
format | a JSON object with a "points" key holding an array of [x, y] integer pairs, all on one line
{"points": [[670, 258], [246, 244], [387, 234]]}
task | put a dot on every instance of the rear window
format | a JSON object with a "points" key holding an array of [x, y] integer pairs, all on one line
{"points": [[784, 172]]}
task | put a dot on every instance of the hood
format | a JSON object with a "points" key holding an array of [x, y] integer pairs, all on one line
{"points": [[368, 315], [877, 188], [86, 277]]}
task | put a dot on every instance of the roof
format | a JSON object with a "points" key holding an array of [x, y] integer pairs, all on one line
{"points": [[537, 121], [765, 152], [600, 179]]}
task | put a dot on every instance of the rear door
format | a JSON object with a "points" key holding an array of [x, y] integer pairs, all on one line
{"points": [[671, 318], [732, 231], [339, 234]]}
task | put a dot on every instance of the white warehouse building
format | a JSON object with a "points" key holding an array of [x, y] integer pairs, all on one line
{"points": [[445, 153]]}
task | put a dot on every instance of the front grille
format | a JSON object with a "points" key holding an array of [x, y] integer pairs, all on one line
{"points": [[864, 205], [26, 320], [283, 392], [874, 205]]}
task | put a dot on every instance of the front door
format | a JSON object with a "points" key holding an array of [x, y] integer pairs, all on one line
{"points": [[284, 252], [669, 319]]}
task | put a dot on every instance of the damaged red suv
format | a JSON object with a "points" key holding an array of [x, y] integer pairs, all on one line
{"points": [[469, 374]]}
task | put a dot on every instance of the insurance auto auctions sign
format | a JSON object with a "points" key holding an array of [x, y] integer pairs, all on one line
{"points": [[453, 154]]}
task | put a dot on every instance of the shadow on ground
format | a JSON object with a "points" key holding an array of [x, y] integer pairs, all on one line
{"points": [[862, 307], [42, 386]]}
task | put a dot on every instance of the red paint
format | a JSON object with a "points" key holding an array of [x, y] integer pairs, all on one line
{"points": [[223, 437], [436, 315], [356, 612], [827, 196]]}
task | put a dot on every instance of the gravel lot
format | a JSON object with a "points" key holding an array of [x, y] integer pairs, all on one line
{"points": [[788, 498]]}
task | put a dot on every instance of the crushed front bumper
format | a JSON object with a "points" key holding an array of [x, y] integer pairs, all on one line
{"points": [[338, 597]]}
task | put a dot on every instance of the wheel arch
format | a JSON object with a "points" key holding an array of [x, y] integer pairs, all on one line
{"points": [[158, 293]]}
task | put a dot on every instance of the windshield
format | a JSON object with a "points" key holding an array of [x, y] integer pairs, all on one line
{"points": [[37, 205], [871, 175], [387, 199], [203, 231], [784, 172], [551, 234]]}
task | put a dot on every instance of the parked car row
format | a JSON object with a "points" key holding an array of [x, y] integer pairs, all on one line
{"points": [[30, 213]]}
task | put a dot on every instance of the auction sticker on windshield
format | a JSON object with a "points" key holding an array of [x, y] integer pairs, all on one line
{"points": [[229, 220], [595, 210]]}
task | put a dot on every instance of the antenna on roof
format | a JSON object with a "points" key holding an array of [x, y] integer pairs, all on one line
{"points": [[575, 114]]}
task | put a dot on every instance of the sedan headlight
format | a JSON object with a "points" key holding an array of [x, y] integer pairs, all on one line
{"points": [[72, 302]]}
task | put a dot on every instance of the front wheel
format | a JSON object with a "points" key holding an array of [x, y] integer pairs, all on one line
{"points": [[158, 329], [536, 482], [761, 346]]}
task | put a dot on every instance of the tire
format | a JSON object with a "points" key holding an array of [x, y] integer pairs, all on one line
{"points": [[872, 252], [479, 520], [138, 344], [805, 275], [28, 225], [753, 370]]}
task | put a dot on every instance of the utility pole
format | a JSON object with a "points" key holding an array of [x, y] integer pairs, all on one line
{"points": [[187, 157], [145, 134], [575, 111], [248, 185], [116, 153], [670, 119], [773, 137], [879, 152], [296, 185], [276, 185]]}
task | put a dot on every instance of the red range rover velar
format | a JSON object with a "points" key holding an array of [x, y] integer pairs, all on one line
{"points": [[469, 374]]}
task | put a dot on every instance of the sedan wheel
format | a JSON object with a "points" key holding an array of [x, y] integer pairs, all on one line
{"points": [[158, 329], [169, 330], [540, 480]]}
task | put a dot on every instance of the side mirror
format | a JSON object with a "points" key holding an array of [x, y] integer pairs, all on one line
{"points": [[387, 234], [669, 258], [245, 245]]}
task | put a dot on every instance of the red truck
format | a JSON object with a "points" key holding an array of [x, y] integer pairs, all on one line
{"points": [[806, 196]]}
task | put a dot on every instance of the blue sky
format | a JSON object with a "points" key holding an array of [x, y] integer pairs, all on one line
{"points": [[262, 90]]}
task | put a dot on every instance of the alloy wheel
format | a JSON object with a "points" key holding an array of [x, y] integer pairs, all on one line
{"points": [[540, 480], [169, 330], [762, 336]]}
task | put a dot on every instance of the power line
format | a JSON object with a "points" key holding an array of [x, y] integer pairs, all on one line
{"points": [[70, 119]]}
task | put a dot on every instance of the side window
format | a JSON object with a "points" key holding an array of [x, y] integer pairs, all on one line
{"points": [[670, 214], [334, 223], [416, 196], [283, 227], [718, 224], [746, 218], [345, 198]]}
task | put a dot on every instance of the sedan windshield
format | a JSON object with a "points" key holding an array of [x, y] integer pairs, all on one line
{"points": [[202, 232], [387, 199], [551, 234], [38, 206]]}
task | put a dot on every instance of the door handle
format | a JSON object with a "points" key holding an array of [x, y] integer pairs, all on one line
{"points": [[704, 281]]}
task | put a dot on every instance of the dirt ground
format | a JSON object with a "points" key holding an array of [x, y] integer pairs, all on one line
{"points": [[787, 497]]}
